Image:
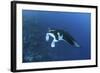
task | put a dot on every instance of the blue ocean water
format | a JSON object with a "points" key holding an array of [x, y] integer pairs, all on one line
{"points": [[35, 27]]}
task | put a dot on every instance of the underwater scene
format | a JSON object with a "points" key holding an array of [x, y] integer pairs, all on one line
{"points": [[55, 36]]}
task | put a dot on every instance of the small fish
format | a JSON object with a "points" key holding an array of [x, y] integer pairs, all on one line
{"points": [[60, 35]]}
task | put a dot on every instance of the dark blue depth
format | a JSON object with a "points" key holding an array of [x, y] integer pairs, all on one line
{"points": [[35, 26]]}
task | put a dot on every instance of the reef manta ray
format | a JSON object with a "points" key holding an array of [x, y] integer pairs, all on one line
{"points": [[60, 35]]}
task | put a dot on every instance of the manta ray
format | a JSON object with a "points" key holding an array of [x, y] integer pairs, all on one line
{"points": [[60, 35]]}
